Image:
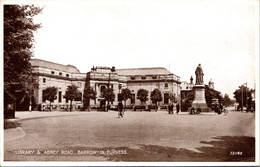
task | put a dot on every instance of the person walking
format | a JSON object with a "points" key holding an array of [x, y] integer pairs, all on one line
{"points": [[178, 107], [221, 107], [174, 108], [120, 109], [170, 108]]}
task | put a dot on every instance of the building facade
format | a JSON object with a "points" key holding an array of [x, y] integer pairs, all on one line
{"points": [[61, 76]]}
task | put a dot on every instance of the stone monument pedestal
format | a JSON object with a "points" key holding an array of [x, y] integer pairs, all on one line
{"points": [[200, 100]]}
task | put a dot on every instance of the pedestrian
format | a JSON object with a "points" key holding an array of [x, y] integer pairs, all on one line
{"points": [[178, 107], [174, 108], [120, 109], [108, 107], [221, 107], [170, 108], [217, 109], [192, 110]]}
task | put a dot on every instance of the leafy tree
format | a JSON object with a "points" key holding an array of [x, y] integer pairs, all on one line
{"points": [[19, 28], [72, 93], [226, 100], [108, 95], [50, 94], [18, 42], [156, 96], [126, 94], [31, 84], [247, 98], [142, 95], [187, 99], [212, 94], [89, 93]]}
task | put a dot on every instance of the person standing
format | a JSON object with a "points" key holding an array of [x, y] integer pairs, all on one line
{"points": [[221, 107], [120, 109], [177, 107], [174, 107], [170, 108]]}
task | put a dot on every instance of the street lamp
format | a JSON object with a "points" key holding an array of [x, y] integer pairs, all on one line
{"points": [[242, 95], [112, 70]]}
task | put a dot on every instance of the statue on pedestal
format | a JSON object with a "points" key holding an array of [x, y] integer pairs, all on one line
{"points": [[199, 75]]}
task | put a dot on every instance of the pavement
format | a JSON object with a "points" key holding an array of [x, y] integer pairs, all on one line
{"points": [[139, 136]]}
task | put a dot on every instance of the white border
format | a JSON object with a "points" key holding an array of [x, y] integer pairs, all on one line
{"points": [[52, 163]]}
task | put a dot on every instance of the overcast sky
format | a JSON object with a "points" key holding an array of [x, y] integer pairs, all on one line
{"points": [[177, 35]]}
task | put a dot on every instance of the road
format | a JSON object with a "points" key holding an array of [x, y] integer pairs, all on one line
{"points": [[139, 136]]}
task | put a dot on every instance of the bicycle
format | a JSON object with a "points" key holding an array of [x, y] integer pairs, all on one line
{"points": [[120, 114], [225, 111]]}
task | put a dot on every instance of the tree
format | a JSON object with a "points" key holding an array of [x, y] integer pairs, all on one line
{"points": [[50, 94], [108, 95], [18, 41], [126, 94], [31, 84], [19, 29], [156, 96], [89, 93], [212, 94], [142, 95], [72, 93], [226, 100], [244, 92]]}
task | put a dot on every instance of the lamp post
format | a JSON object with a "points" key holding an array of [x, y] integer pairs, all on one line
{"points": [[242, 96], [242, 99], [109, 77]]}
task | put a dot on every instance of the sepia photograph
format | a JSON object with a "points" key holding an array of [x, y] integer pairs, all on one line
{"points": [[130, 82]]}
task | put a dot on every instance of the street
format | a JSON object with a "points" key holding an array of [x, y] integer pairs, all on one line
{"points": [[139, 136]]}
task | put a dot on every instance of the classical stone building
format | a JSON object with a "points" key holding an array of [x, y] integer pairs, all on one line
{"points": [[61, 76]]}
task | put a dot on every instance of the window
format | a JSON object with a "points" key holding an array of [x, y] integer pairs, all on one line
{"points": [[166, 98], [102, 88], [143, 77], [154, 77], [44, 80], [166, 85], [43, 97], [60, 95], [187, 87], [67, 75], [52, 72], [132, 78], [79, 84], [60, 73], [119, 86]]}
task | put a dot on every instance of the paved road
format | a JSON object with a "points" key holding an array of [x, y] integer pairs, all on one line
{"points": [[139, 136]]}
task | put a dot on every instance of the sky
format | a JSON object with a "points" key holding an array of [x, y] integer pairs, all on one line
{"points": [[177, 35]]}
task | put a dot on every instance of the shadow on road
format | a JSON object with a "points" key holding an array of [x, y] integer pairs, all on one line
{"points": [[223, 148], [220, 149], [8, 124]]}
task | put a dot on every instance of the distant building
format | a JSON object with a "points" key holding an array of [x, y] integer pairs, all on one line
{"points": [[61, 76]]}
